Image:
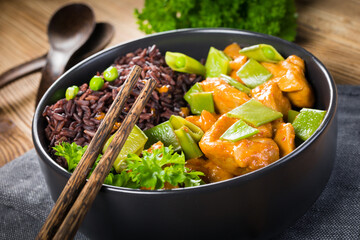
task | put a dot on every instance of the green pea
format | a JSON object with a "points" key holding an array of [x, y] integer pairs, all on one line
{"points": [[180, 62], [268, 52], [110, 74], [96, 83], [71, 92]]}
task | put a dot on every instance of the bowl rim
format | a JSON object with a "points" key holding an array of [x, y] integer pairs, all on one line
{"points": [[329, 116]]}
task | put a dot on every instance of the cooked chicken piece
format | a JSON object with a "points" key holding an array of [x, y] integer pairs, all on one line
{"points": [[285, 138], [265, 131], [225, 96], [290, 77], [207, 119], [237, 157], [232, 50], [270, 95], [256, 153], [204, 121], [213, 173], [194, 119], [235, 65]]}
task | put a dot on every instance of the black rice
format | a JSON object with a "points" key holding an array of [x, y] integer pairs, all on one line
{"points": [[78, 119]]}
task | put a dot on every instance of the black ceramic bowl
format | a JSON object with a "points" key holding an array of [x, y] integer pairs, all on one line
{"points": [[256, 205]]}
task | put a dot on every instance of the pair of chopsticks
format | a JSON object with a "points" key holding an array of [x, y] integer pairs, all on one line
{"points": [[78, 195]]}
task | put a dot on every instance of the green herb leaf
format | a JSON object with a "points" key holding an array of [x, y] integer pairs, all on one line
{"points": [[154, 169], [151, 171], [71, 152]]}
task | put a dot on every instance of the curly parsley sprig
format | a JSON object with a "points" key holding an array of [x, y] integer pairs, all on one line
{"points": [[154, 169], [151, 171]]}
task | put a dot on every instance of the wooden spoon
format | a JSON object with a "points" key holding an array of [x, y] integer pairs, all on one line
{"points": [[68, 30], [100, 37]]}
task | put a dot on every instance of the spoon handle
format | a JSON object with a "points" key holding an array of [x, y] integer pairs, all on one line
{"points": [[22, 70], [55, 65]]}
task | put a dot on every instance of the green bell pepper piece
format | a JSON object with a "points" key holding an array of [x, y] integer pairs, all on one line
{"points": [[255, 113], [292, 115], [194, 89], [201, 101], [236, 84], [262, 53], [195, 132], [217, 63], [188, 145], [182, 63], [164, 133], [253, 73], [306, 123], [238, 131]]}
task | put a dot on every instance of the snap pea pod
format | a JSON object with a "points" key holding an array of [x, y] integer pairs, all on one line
{"points": [[253, 73], [236, 84], [188, 145], [239, 130], [182, 63], [217, 63], [194, 89], [307, 122], [163, 132], [195, 132], [262, 53], [292, 115], [201, 101], [255, 113]]}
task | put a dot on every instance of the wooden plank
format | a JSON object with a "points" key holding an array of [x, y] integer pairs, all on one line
{"points": [[330, 30], [13, 142]]}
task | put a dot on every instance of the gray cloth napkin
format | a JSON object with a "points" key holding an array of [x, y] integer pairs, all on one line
{"points": [[25, 201]]}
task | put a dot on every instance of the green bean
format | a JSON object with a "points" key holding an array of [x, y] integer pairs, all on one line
{"points": [[182, 63], [262, 53], [217, 63]]}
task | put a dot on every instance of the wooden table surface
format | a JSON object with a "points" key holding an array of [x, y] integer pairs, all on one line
{"points": [[330, 29]]}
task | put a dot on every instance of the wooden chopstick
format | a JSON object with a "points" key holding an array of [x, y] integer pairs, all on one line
{"points": [[78, 178], [87, 195]]}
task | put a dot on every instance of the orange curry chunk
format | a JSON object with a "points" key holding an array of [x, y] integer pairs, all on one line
{"points": [[238, 62], [225, 96], [194, 119], [204, 121], [290, 77], [265, 131], [236, 77], [232, 50], [237, 157], [213, 173], [207, 119], [256, 153], [285, 138], [271, 96], [235, 65]]}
